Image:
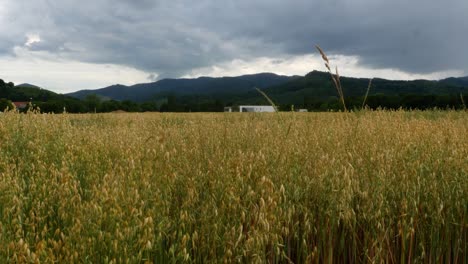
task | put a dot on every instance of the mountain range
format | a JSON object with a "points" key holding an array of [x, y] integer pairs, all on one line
{"points": [[202, 86], [314, 91], [318, 84], [284, 89]]}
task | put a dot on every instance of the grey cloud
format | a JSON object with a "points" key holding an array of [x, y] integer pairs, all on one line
{"points": [[174, 37], [152, 77], [6, 47]]}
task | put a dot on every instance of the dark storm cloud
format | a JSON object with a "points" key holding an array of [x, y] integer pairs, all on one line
{"points": [[172, 37]]}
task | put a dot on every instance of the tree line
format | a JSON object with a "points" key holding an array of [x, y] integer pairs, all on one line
{"points": [[49, 102]]}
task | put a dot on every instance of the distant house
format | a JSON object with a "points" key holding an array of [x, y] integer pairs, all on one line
{"points": [[302, 110], [20, 105], [257, 108]]}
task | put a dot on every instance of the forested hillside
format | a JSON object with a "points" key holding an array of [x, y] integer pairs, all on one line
{"points": [[315, 91]]}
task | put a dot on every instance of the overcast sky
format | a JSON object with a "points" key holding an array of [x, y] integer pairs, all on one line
{"points": [[68, 45]]}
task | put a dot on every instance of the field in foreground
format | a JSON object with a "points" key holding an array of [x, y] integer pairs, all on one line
{"points": [[309, 187]]}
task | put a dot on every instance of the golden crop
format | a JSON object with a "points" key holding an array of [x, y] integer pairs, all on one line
{"points": [[283, 187]]}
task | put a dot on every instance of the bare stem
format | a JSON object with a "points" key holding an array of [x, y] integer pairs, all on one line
{"points": [[367, 94], [463, 101], [335, 77], [268, 99]]}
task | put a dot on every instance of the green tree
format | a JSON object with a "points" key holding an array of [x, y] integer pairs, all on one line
{"points": [[130, 106], [4, 104], [149, 107], [92, 102], [110, 105]]}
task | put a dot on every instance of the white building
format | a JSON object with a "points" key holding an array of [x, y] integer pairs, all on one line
{"points": [[257, 108]]}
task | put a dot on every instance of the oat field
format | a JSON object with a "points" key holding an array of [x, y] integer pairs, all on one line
{"points": [[359, 187]]}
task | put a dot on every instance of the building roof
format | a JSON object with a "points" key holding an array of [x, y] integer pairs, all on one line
{"points": [[257, 108], [20, 104]]}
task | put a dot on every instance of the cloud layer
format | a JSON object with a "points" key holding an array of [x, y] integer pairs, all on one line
{"points": [[174, 38]]}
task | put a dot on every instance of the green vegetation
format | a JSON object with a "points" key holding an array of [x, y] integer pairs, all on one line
{"points": [[47, 101], [365, 186], [315, 92], [6, 104], [203, 86]]}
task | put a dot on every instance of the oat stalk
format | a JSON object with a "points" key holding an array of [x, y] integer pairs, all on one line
{"points": [[335, 77], [463, 101], [367, 94], [268, 99]]}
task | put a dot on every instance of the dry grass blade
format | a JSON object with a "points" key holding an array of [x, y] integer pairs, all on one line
{"points": [[367, 94], [463, 101], [268, 99], [335, 77], [324, 56]]}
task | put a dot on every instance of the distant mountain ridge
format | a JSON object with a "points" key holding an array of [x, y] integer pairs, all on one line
{"points": [[27, 92], [318, 86], [183, 87], [460, 81], [314, 91], [28, 85], [285, 89]]}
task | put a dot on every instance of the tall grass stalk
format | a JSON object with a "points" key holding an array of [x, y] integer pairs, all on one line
{"points": [[335, 77], [462, 101], [367, 94], [267, 98]]}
